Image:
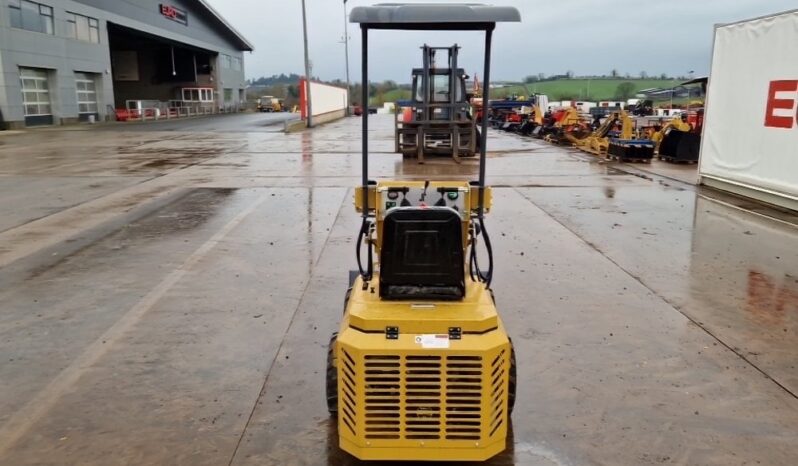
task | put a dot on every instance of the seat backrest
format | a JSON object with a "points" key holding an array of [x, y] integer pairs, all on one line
{"points": [[422, 254]]}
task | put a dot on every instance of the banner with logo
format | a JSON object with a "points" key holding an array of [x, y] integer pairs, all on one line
{"points": [[750, 134]]}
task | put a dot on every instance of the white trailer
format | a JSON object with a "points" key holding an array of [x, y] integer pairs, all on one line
{"points": [[750, 137]]}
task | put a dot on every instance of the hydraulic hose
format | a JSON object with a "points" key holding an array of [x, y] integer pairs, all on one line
{"points": [[471, 256], [489, 249], [473, 265], [369, 270]]}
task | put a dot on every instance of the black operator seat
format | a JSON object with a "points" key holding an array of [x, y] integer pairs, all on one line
{"points": [[422, 254]]}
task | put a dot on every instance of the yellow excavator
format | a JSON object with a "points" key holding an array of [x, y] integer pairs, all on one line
{"points": [[615, 139], [598, 142], [678, 123]]}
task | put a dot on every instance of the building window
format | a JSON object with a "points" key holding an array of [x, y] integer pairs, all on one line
{"points": [[237, 63], [87, 92], [31, 16], [35, 91], [227, 61], [83, 28], [197, 94]]}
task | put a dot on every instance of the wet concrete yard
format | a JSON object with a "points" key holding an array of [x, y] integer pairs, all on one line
{"points": [[167, 293]]}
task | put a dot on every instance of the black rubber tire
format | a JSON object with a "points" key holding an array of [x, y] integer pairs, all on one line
{"points": [[331, 382], [513, 378]]}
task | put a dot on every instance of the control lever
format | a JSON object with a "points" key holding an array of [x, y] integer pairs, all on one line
{"points": [[424, 193]]}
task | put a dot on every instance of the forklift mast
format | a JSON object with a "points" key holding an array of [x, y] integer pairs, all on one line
{"points": [[439, 88]]}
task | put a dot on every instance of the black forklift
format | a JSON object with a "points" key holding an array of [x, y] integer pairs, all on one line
{"points": [[438, 118]]}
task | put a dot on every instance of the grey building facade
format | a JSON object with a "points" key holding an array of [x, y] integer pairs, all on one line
{"points": [[63, 61]]}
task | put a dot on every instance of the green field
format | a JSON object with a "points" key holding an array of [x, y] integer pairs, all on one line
{"points": [[561, 89], [392, 96], [583, 89]]}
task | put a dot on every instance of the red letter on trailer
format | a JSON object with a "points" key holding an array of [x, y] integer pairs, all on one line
{"points": [[775, 121]]}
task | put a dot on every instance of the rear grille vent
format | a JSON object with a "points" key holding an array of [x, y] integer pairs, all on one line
{"points": [[423, 397], [383, 382], [463, 397], [348, 393], [497, 368]]}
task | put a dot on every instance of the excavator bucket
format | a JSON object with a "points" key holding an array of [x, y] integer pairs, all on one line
{"points": [[680, 146], [631, 150]]}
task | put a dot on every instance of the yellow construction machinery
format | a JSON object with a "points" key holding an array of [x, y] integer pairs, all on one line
{"points": [[678, 123], [564, 121], [679, 140], [616, 138], [598, 142], [422, 367], [534, 120], [269, 103]]}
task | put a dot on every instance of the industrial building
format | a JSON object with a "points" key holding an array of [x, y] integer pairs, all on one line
{"points": [[64, 61]]}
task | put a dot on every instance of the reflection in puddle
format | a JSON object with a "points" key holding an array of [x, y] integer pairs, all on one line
{"points": [[771, 300]]}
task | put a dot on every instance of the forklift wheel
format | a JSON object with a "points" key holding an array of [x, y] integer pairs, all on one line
{"points": [[332, 378], [513, 377]]}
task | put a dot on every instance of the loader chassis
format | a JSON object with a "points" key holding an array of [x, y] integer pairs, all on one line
{"points": [[421, 367], [427, 394]]}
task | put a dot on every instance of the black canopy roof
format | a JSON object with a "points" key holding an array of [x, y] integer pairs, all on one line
{"points": [[446, 16]]}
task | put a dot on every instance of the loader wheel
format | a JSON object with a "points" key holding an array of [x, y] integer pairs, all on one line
{"points": [[513, 378], [331, 384]]}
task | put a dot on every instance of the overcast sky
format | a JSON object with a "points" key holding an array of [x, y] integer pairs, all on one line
{"points": [[583, 36]]}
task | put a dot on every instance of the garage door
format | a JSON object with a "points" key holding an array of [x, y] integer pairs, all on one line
{"points": [[36, 96], [86, 86]]}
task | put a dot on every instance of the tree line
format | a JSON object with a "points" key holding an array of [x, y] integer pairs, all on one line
{"points": [[614, 74]]}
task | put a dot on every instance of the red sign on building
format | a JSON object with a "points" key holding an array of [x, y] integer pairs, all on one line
{"points": [[174, 13]]}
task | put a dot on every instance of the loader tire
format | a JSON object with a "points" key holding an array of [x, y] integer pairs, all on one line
{"points": [[513, 378], [331, 384]]}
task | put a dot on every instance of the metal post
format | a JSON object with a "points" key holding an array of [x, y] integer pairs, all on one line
{"points": [[485, 109], [673, 89], [346, 54], [365, 99], [425, 89], [307, 66]]}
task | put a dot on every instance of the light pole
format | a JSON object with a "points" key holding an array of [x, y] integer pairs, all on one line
{"points": [[346, 54], [673, 89], [307, 66]]}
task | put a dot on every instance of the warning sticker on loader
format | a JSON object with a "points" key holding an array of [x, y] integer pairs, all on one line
{"points": [[433, 341]]}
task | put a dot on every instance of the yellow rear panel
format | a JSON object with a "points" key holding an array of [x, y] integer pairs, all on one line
{"points": [[400, 401]]}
